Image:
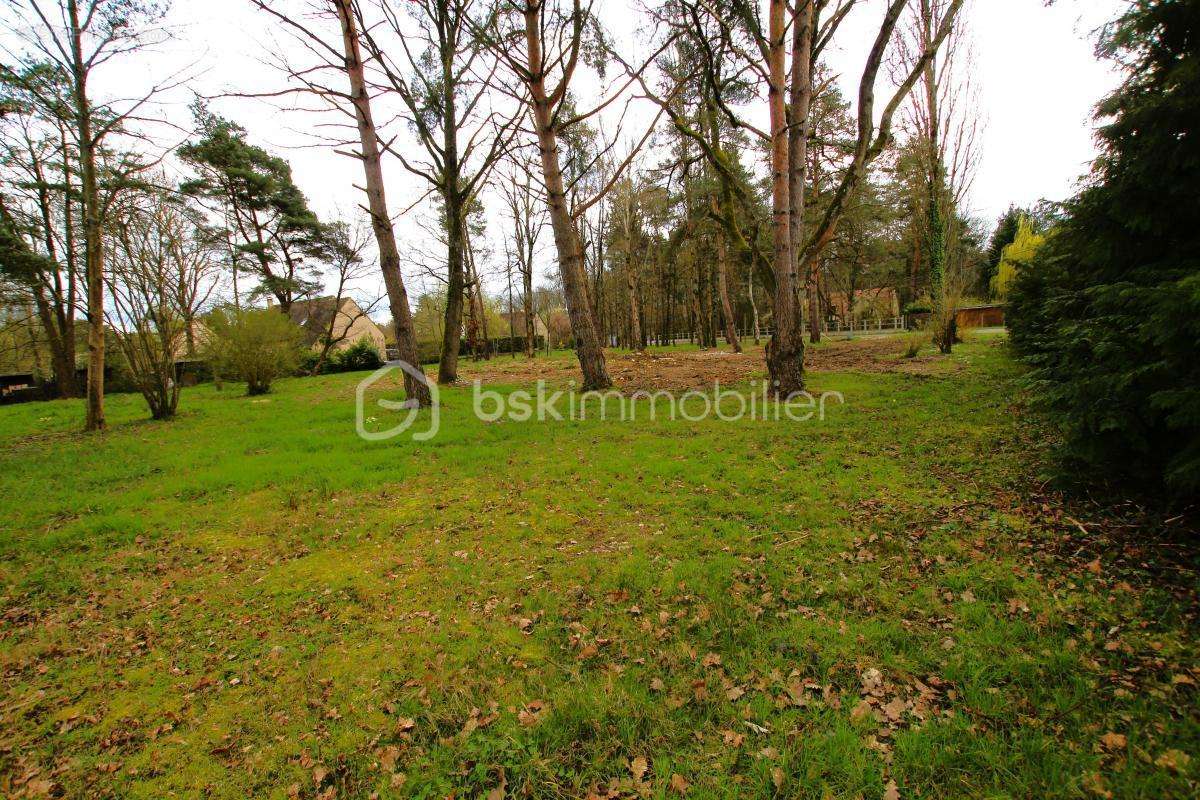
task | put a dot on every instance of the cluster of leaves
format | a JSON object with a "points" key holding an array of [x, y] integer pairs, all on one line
{"points": [[253, 345], [275, 231], [1108, 312], [1021, 250], [358, 357]]}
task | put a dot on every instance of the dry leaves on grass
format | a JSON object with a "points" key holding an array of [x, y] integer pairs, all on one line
{"points": [[533, 713]]}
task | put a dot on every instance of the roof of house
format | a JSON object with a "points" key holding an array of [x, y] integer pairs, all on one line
{"points": [[313, 316]]}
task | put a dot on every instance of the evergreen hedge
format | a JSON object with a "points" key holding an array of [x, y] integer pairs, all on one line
{"points": [[1108, 311]]}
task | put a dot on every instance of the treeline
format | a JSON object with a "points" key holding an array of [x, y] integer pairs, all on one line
{"points": [[706, 222], [1104, 300]]}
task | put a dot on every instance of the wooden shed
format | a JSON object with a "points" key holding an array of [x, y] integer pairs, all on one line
{"points": [[980, 316]]}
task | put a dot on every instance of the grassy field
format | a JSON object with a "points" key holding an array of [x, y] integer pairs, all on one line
{"points": [[250, 601]]}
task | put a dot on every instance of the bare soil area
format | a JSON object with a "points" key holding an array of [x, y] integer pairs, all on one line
{"points": [[676, 370]]}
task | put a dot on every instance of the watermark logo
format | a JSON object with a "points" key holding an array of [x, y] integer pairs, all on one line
{"points": [[361, 419], [726, 405], [561, 404]]}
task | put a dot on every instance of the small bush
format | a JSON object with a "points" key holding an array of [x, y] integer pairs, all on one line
{"points": [[253, 345], [359, 356], [913, 343], [308, 363], [919, 307]]}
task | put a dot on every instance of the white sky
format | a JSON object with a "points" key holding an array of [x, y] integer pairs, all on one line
{"points": [[1035, 67]]}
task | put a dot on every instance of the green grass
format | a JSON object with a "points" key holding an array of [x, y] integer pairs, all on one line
{"points": [[250, 599]]}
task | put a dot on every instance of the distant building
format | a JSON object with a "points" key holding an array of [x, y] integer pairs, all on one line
{"points": [[350, 323], [989, 316]]}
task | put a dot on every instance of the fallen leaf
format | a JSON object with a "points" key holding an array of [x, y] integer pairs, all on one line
{"points": [[533, 713], [638, 767], [388, 756], [39, 787], [891, 791], [895, 709], [861, 711], [679, 783], [1174, 760]]}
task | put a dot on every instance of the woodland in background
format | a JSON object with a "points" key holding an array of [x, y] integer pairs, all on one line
{"points": [[751, 200], [677, 228]]}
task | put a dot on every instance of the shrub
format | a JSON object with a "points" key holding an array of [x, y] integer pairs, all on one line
{"points": [[918, 307], [308, 363], [913, 344], [1107, 312], [254, 345], [359, 356]]}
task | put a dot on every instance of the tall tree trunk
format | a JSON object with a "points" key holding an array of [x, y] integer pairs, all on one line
{"points": [[800, 108], [455, 287], [381, 221], [635, 323], [753, 303], [527, 280], [942, 316], [457, 208], [731, 336], [93, 228], [56, 321], [566, 238], [785, 351]]}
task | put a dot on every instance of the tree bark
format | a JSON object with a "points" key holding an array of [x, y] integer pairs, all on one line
{"points": [[93, 229], [731, 336], [566, 238], [800, 109], [635, 324], [381, 221], [785, 351]]}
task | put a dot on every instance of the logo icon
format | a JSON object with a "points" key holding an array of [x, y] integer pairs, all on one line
{"points": [[414, 410]]}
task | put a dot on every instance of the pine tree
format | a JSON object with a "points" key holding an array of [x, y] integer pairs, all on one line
{"points": [[1108, 314]]}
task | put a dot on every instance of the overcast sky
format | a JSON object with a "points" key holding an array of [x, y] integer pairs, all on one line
{"points": [[1035, 68]]}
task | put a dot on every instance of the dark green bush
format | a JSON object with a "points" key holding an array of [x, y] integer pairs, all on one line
{"points": [[308, 362], [359, 356], [1108, 312]]}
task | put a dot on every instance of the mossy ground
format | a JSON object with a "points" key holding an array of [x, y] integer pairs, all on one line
{"points": [[250, 601]]}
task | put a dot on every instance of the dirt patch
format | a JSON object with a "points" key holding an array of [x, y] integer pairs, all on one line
{"points": [[877, 354], [679, 370]]}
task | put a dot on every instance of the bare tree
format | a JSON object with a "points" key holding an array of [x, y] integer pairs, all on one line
{"points": [[347, 258], [528, 217], [75, 38], [942, 120], [161, 275], [340, 56], [543, 43], [737, 32]]}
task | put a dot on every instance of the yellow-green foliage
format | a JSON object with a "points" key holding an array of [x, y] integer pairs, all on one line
{"points": [[1021, 251]]}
